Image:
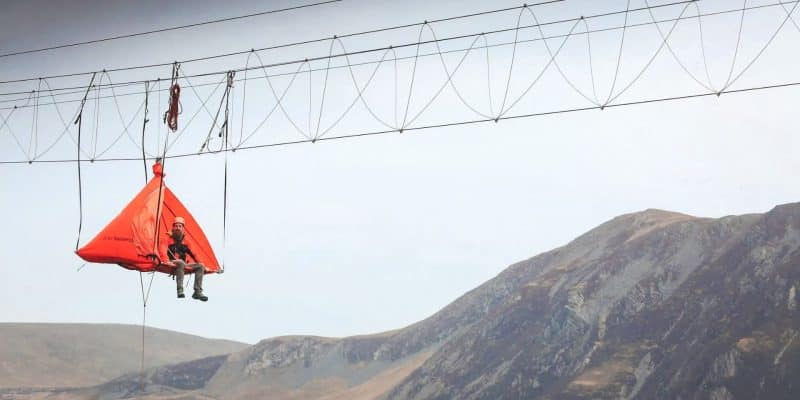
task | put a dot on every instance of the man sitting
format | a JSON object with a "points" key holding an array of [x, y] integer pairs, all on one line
{"points": [[177, 253]]}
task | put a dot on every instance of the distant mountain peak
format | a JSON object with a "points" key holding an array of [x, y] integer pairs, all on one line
{"points": [[654, 215]]}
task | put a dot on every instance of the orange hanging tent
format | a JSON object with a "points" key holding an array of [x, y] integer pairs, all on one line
{"points": [[141, 231]]}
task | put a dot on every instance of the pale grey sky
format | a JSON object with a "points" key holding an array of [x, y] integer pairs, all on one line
{"points": [[362, 235]]}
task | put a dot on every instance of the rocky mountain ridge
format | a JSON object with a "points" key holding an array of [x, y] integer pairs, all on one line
{"points": [[651, 304], [648, 305]]}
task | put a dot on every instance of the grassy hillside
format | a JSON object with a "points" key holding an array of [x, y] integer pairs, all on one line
{"points": [[56, 355]]}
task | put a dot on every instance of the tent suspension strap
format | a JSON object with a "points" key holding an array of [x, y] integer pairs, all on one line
{"points": [[161, 160], [80, 180], [169, 117]]}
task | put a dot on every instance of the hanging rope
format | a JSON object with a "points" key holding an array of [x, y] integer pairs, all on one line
{"points": [[224, 147], [145, 295], [145, 298], [223, 129], [226, 127], [34, 141], [144, 126], [80, 181], [171, 116], [96, 122], [224, 212]]}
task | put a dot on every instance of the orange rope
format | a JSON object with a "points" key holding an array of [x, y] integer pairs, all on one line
{"points": [[171, 116]]}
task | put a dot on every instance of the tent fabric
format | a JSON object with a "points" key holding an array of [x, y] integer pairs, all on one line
{"points": [[142, 229]]}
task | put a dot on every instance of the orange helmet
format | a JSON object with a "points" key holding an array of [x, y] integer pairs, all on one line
{"points": [[179, 220]]}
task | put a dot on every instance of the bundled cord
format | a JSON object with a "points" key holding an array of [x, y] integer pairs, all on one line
{"points": [[171, 116]]}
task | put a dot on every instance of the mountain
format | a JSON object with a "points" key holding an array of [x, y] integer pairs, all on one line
{"points": [[69, 355], [648, 305]]}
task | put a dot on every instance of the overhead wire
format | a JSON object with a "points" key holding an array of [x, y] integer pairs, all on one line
{"points": [[738, 44], [449, 81], [791, 17], [286, 45], [79, 89], [162, 30], [64, 124], [649, 62], [619, 54], [504, 109], [95, 129], [279, 100], [703, 48], [591, 62], [488, 75], [707, 85], [349, 65], [417, 43], [409, 44], [558, 66], [96, 119], [450, 75], [11, 131], [194, 87], [34, 139], [766, 45], [359, 96], [552, 61], [324, 90], [127, 125], [442, 125], [125, 132]]}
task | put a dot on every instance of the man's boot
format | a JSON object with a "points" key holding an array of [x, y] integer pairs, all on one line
{"points": [[180, 293], [200, 296]]}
